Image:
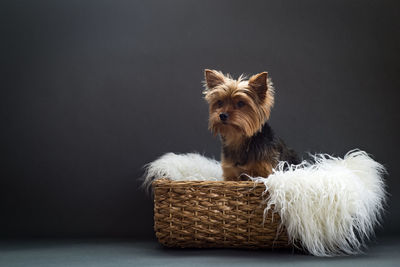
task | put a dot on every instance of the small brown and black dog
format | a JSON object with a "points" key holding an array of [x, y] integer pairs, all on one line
{"points": [[239, 110]]}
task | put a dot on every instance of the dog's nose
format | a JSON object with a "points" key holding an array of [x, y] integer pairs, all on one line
{"points": [[223, 116]]}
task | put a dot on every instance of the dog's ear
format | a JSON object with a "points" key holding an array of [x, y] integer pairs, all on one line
{"points": [[213, 78], [259, 84]]}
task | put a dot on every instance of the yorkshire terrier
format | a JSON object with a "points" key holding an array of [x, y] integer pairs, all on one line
{"points": [[239, 111]]}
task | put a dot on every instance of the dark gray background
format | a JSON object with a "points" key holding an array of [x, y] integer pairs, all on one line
{"points": [[93, 90]]}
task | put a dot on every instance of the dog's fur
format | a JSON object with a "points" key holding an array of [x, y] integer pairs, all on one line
{"points": [[239, 110]]}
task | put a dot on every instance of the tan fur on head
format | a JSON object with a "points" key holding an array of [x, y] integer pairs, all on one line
{"points": [[247, 104]]}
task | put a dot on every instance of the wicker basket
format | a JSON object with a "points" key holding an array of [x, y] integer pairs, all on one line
{"points": [[214, 214]]}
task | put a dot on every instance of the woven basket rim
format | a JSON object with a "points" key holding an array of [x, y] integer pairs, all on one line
{"points": [[169, 182]]}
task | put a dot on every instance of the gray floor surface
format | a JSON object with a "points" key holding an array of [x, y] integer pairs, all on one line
{"points": [[104, 252]]}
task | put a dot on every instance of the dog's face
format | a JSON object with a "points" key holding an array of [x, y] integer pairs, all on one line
{"points": [[238, 108]]}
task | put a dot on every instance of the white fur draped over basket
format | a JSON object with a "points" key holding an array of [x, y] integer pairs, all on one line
{"points": [[329, 205]]}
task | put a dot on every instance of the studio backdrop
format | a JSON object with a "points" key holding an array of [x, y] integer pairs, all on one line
{"points": [[91, 91]]}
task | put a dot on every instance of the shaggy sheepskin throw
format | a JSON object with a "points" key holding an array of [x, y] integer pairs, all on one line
{"points": [[183, 167], [329, 205]]}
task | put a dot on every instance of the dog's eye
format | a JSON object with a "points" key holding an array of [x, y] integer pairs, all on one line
{"points": [[220, 103], [240, 104]]}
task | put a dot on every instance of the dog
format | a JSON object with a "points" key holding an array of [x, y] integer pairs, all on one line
{"points": [[238, 112]]}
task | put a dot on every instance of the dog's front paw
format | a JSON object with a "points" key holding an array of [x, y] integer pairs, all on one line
{"points": [[244, 177]]}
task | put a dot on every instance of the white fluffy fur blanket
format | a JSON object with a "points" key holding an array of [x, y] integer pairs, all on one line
{"points": [[330, 205]]}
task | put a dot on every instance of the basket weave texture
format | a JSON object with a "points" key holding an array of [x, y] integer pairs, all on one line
{"points": [[214, 214]]}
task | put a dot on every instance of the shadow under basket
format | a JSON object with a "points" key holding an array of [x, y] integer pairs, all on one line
{"points": [[205, 214]]}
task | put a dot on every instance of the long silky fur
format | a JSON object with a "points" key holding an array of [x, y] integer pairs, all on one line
{"points": [[331, 205]]}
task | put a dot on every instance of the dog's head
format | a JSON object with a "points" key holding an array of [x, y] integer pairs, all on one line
{"points": [[238, 108]]}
